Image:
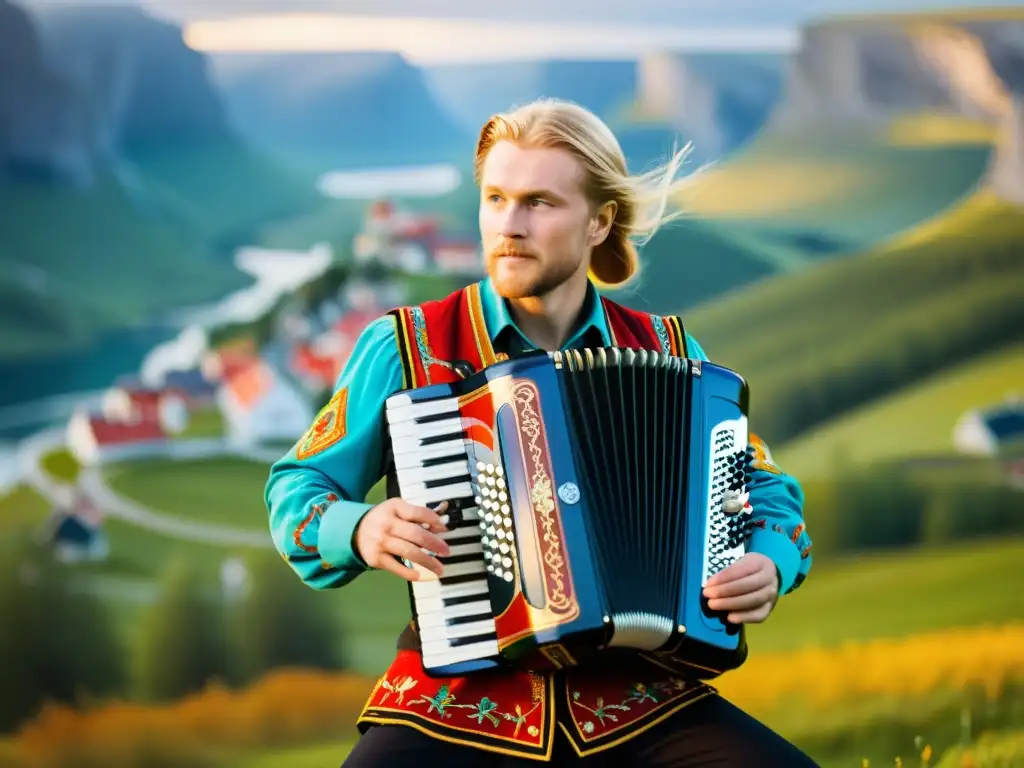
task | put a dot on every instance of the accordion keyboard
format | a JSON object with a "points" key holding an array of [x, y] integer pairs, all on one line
{"points": [[725, 530], [453, 611]]}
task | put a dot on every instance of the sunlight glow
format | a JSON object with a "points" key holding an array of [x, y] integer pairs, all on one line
{"points": [[427, 41]]}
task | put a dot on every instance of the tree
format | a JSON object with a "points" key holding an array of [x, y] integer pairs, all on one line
{"points": [[56, 639], [280, 622], [182, 641]]}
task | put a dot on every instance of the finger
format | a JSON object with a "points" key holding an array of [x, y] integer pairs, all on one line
{"points": [[388, 563], [421, 515], [412, 553], [755, 616], [741, 586], [739, 569], [746, 602], [420, 536]]}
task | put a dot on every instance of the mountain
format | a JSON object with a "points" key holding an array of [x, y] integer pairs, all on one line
{"points": [[854, 74], [717, 101], [44, 123], [339, 109], [145, 88], [123, 187]]}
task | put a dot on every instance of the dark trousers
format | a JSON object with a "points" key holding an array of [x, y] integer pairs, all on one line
{"points": [[709, 732]]}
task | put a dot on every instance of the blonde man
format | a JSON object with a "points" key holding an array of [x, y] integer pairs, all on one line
{"points": [[559, 215]]}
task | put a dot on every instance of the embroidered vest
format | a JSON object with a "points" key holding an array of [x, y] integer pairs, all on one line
{"points": [[515, 712]]}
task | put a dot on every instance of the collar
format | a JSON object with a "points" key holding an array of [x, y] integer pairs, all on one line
{"points": [[498, 318]]}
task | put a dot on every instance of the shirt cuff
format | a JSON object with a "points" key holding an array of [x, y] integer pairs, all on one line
{"points": [[337, 529], [781, 550]]}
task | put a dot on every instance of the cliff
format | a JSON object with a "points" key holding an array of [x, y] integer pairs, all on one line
{"points": [[1006, 169], [859, 75], [44, 122], [145, 88], [862, 74]]}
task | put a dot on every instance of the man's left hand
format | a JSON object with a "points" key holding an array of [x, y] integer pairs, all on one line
{"points": [[748, 589]]}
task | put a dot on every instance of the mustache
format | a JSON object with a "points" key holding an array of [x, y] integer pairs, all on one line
{"points": [[511, 250]]}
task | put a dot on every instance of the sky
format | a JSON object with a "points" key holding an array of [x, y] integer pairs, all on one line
{"points": [[467, 30]]}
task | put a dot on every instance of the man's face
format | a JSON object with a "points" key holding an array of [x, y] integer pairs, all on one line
{"points": [[536, 225]]}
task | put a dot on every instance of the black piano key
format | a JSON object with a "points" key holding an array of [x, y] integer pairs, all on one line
{"points": [[438, 460], [455, 642], [446, 580], [442, 481], [450, 602], [454, 559], [460, 435], [468, 619], [435, 417]]}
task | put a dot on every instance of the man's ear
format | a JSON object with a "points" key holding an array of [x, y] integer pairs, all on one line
{"points": [[601, 223]]}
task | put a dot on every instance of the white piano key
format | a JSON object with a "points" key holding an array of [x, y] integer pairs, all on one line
{"points": [[463, 569], [444, 646], [472, 548], [408, 454], [410, 429], [420, 495], [452, 631], [433, 611], [439, 654], [450, 469], [434, 589], [398, 400], [399, 413]]}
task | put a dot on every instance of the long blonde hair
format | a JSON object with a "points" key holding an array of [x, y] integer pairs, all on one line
{"points": [[642, 200]]}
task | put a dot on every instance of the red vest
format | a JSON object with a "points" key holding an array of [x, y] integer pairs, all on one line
{"points": [[513, 712]]}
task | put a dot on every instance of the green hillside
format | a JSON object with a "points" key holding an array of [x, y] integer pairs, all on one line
{"points": [[854, 187], [827, 339], [915, 422], [77, 262]]}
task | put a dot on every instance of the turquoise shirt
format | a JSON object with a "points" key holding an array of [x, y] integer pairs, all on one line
{"points": [[316, 503]]}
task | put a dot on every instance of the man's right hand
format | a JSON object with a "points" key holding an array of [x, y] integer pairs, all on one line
{"points": [[395, 529]]}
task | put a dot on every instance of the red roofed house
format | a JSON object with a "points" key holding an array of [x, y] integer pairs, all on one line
{"points": [[133, 404], [221, 364], [93, 438], [260, 405]]}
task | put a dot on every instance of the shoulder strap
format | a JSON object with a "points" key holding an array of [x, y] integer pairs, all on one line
{"points": [[677, 334]]}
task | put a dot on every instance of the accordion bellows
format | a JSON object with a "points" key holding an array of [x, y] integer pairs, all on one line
{"points": [[591, 495]]}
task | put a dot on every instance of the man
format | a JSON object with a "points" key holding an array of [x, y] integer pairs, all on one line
{"points": [[557, 215]]}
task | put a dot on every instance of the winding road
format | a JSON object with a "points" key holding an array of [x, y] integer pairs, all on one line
{"points": [[30, 457]]}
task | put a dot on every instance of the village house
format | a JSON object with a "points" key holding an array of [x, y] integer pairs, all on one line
{"points": [[260, 405], [413, 242], [95, 438], [75, 533], [997, 430]]}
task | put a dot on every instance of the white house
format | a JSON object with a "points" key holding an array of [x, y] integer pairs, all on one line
{"points": [[260, 405], [991, 431]]}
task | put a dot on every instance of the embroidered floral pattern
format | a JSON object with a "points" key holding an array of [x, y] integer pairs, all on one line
{"points": [[636, 697], [399, 687], [443, 702]]}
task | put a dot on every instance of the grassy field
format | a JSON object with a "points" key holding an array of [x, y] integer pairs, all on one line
{"points": [[871, 321], [224, 490], [916, 422], [857, 187]]}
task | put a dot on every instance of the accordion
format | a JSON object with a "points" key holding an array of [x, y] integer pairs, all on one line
{"points": [[591, 495]]}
